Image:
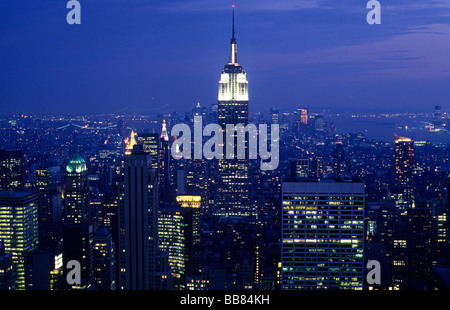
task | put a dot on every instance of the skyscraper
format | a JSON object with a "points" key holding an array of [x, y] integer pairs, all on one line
{"points": [[76, 196], [6, 269], [19, 229], [150, 143], [233, 174], [137, 222], [404, 165], [274, 115], [11, 169], [104, 260], [165, 167], [322, 235], [78, 230]]}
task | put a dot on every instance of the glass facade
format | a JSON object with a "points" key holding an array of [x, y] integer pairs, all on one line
{"points": [[322, 235]]}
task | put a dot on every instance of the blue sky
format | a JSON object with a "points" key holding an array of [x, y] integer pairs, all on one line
{"points": [[316, 53]]}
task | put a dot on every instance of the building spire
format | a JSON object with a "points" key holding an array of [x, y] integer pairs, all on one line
{"points": [[233, 56], [233, 34], [164, 134]]}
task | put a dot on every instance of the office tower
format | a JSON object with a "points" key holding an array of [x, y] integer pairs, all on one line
{"points": [[76, 196], [232, 196], [39, 264], [179, 236], [78, 230], [285, 121], [299, 169], [404, 165], [172, 240], [11, 169], [49, 207], [150, 143], [104, 260], [56, 272], [78, 245], [341, 164], [319, 123], [274, 115], [6, 269], [198, 110], [419, 244], [192, 207], [137, 222], [322, 235], [303, 115], [165, 167], [19, 229]]}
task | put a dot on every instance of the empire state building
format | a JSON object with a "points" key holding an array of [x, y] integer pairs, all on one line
{"points": [[232, 196]]}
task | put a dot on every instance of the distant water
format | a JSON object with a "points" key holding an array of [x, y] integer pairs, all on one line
{"points": [[385, 128]]}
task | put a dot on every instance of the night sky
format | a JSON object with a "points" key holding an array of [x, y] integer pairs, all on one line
{"points": [[150, 54]]}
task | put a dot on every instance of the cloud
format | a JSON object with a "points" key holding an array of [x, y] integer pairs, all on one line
{"points": [[420, 54]]}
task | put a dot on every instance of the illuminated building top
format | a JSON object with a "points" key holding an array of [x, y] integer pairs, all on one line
{"points": [[233, 85], [76, 164]]}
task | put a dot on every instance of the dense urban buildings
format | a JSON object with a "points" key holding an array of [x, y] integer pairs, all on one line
{"points": [[106, 191]]}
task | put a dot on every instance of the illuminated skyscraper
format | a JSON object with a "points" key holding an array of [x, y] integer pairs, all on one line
{"points": [[322, 235], [137, 222], [404, 165], [165, 172], [78, 230], [19, 230], [233, 178], [76, 196], [11, 169], [150, 143], [179, 234], [172, 240]]}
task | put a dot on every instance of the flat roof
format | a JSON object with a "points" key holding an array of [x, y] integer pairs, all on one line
{"points": [[14, 194]]}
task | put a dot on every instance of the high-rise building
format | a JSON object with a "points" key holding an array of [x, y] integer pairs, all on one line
{"points": [[11, 169], [104, 260], [232, 196], [150, 143], [404, 165], [419, 244], [165, 172], [299, 169], [137, 222], [78, 230], [6, 269], [341, 164], [78, 245], [19, 230], [172, 240], [76, 196], [274, 115], [322, 234], [179, 236]]}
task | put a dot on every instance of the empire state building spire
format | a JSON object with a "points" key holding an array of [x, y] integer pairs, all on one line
{"points": [[233, 56]]}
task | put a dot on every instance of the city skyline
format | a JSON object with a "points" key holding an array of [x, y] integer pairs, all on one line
{"points": [[103, 193], [133, 53]]}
